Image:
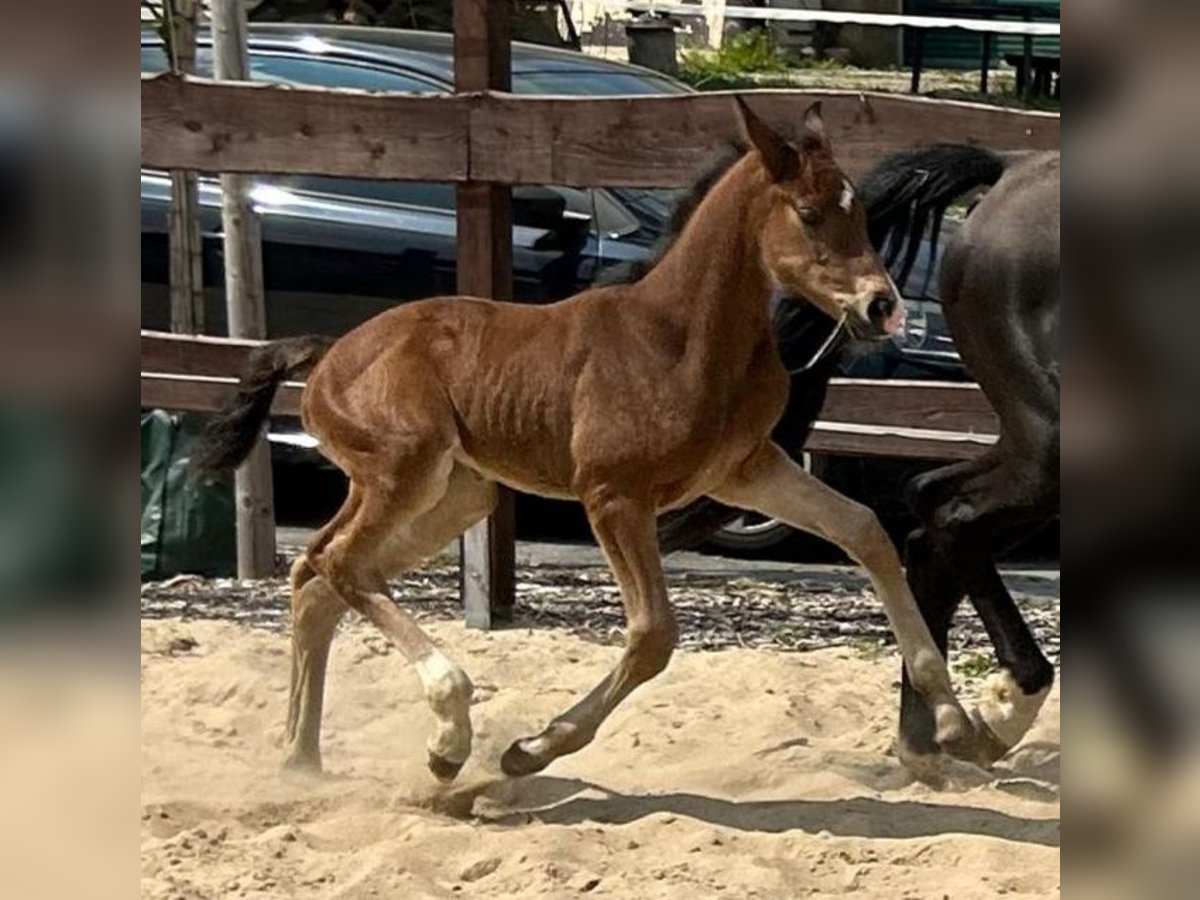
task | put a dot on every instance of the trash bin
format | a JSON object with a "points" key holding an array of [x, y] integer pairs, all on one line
{"points": [[651, 43]]}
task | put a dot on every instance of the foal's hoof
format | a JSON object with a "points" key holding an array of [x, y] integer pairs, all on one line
{"points": [[444, 770], [517, 761], [304, 763]]}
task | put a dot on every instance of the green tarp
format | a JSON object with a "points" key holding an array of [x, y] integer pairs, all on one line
{"points": [[187, 526]]}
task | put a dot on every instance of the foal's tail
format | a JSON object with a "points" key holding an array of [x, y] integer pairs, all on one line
{"points": [[912, 189], [230, 434]]}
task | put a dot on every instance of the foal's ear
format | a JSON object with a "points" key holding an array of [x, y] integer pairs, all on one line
{"points": [[780, 157], [815, 138]]}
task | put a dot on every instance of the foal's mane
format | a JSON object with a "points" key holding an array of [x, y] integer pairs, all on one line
{"points": [[681, 213]]}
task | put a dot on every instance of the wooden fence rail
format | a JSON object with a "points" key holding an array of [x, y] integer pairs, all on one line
{"points": [[861, 417], [659, 141]]}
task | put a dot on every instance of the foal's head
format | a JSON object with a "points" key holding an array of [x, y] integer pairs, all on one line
{"points": [[814, 231]]}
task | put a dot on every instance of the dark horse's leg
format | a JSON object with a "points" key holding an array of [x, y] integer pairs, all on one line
{"points": [[968, 516]]}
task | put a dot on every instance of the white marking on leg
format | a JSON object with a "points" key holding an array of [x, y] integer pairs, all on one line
{"points": [[1009, 711], [537, 746], [448, 690], [847, 199]]}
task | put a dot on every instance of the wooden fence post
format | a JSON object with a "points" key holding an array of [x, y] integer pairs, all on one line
{"points": [[482, 61], [245, 304], [186, 278]]}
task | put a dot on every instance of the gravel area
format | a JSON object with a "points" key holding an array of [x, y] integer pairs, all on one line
{"points": [[816, 608]]}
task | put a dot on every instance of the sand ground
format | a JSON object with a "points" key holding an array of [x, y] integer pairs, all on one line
{"points": [[738, 773]]}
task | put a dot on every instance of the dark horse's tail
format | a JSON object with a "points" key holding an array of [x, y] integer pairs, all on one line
{"points": [[230, 433], [911, 190]]}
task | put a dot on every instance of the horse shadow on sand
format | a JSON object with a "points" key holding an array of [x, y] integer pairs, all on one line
{"points": [[573, 801]]}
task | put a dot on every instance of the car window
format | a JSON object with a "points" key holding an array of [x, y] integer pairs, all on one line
{"points": [[434, 195], [312, 70], [154, 59], [596, 83], [287, 68]]}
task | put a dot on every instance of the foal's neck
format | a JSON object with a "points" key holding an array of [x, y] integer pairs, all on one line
{"points": [[713, 282]]}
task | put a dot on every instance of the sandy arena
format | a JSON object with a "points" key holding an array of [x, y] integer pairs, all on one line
{"points": [[738, 773]]}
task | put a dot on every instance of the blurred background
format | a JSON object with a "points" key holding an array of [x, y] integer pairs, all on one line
{"points": [[68, 457]]}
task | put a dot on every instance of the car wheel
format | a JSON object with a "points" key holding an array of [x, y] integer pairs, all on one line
{"points": [[751, 532]]}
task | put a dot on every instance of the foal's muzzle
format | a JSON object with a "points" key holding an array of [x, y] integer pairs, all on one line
{"points": [[885, 314]]}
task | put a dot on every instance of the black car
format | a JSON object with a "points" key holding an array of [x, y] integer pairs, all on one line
{"points": [[337, 251]]}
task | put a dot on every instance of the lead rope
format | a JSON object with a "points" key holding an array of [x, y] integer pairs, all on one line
{"points": [[824, 348]]}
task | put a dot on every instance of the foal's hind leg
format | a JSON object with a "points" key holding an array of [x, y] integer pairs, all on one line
{"points": [[625, 529], [316, 611], [399, 521]]}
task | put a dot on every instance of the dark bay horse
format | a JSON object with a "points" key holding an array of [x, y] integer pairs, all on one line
{"points": [[1000, 293], [634, 398]]}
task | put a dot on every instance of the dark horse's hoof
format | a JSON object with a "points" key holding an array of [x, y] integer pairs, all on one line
{"points": [[516, 761], [444, 770], [989, 747]]}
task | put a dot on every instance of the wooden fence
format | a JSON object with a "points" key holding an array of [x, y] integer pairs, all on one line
{"points": [[484, 138], [660, 141]]}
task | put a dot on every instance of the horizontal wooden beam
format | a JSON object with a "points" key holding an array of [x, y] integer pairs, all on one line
{"points": [[660, 141], [931, 405], [193, 393], [861, 417], [665, 141], [180, 354], [841, 439], [198, 123]]}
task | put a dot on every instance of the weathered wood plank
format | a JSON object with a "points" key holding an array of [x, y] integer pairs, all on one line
{"points": [[192, 393], [663, 141], [936, 405], [641, 141], [197, 123], [200, 394], [827, 438], [939, 405], [194, 354]]}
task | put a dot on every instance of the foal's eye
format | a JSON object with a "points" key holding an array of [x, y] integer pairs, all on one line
{"points": [[809, 215]]}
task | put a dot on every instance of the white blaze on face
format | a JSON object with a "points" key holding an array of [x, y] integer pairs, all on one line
{"points": [[847, 199]]}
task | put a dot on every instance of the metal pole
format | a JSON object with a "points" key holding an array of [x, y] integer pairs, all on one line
{"points": [[245, 303]]}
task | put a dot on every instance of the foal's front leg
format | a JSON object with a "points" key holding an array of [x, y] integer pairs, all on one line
{"points": [[626, 531], [770, 483]]}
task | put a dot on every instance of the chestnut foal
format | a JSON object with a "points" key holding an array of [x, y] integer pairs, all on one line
{"points": [[633, 399]]}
